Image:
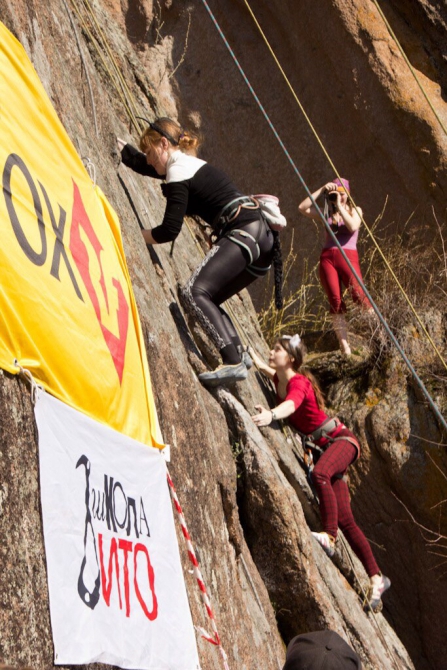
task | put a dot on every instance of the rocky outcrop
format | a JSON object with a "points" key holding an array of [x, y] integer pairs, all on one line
{"points": [[244, 492], [355, 88]]}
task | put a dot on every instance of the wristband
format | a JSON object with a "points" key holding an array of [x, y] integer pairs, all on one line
{"points": [[274, 417]]}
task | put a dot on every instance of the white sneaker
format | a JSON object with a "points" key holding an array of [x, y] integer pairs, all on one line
{"points": [[378, 585], [326, 541]]}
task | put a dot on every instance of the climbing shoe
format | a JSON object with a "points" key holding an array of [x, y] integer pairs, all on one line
{"points": [[224, 374], [247, 360], [245, 356], [326, 541], [378, 585]]}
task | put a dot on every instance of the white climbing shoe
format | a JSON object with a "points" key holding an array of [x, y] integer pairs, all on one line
{"points": [[326, 541], [224, 374], [378, 585]]}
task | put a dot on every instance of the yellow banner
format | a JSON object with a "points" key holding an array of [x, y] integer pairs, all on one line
{"points": [[67, 311]]}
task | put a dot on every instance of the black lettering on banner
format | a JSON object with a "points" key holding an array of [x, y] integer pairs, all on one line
{"points": [[108, 490], [38, 258], [143, 518], [131, 506], [115, 486], [59, 248], [98, 506], [89, 597]]}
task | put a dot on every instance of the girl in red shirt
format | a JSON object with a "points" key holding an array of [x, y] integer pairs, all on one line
{"points": [[301, 401]]}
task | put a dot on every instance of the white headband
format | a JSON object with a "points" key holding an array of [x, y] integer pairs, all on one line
{"points": [[295, 340]]}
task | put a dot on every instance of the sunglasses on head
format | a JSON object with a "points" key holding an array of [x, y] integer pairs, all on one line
{"points": [[159, 130]]}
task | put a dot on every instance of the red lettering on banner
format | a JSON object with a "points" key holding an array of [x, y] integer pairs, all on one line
{"points": [[80, 220], [107, 588], [127, 548], [150, 573]]}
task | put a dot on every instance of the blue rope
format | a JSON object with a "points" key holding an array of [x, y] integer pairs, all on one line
{"points": [[415, 375]]}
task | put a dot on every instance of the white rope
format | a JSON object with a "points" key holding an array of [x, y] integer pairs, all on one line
{"points": [[26, 374], [91, 169]]}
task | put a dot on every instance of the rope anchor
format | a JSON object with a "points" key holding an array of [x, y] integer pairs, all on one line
{"points": [[26, 374]]}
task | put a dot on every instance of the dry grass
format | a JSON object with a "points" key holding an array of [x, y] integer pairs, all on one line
{"points": [[417, 254], [304, 309]]}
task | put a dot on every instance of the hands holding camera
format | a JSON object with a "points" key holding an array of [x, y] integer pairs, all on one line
{"points": [[332, 194]]}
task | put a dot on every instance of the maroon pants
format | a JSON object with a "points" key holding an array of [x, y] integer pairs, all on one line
{"points": [[335, 506], [334, 271]]}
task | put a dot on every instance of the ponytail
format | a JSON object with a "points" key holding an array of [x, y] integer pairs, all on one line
{"points": [[188, 143], [163, 127], [319, 396]]}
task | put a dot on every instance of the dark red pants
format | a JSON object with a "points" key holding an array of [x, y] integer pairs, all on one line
{"points": [[334, 271], [335, 505]]}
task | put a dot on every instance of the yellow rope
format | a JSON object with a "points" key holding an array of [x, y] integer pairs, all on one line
{"points": [[121, 79], [412, 70], [114, 73], [369, 231]]}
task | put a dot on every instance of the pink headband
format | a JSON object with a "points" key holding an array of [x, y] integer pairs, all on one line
{"points": [[343, 184]]}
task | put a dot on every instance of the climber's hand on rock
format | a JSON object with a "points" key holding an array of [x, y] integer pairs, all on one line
{"points": [[121, 143], [264, 416]]}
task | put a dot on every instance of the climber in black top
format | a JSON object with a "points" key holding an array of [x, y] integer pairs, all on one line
{"points": [[244, 246]]}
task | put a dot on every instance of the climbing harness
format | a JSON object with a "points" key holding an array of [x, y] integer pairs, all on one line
{"points": [[331, 233], [248, 242], [313, 450], [230, 212]]}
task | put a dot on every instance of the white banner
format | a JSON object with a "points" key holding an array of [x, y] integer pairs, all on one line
{"points": [[117, 593]]}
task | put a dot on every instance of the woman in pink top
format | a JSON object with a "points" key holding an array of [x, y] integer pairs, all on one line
{"points": [[345, 221], [301, 401]]}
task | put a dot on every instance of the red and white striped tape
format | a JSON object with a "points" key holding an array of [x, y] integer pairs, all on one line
{"points": [[213, 639]]}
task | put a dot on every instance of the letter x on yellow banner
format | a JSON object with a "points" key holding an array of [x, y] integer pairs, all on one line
{"points": [[67, 310]]}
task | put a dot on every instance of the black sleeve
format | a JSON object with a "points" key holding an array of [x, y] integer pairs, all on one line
{"points": [[136, 161], [177, 194]]}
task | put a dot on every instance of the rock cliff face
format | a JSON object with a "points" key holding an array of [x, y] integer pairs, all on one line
{"points": [[355, 88], [245, 494]]}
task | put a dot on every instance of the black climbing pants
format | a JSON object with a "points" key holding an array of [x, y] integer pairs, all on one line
{"points": [[227, 269]]}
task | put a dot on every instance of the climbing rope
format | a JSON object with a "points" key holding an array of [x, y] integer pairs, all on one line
{"points": [[320, 142], [27, 375], [412, 70], [91, 169], [89, 84], [331, 233], [215, 638], [365, 594], [108, 61]]}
